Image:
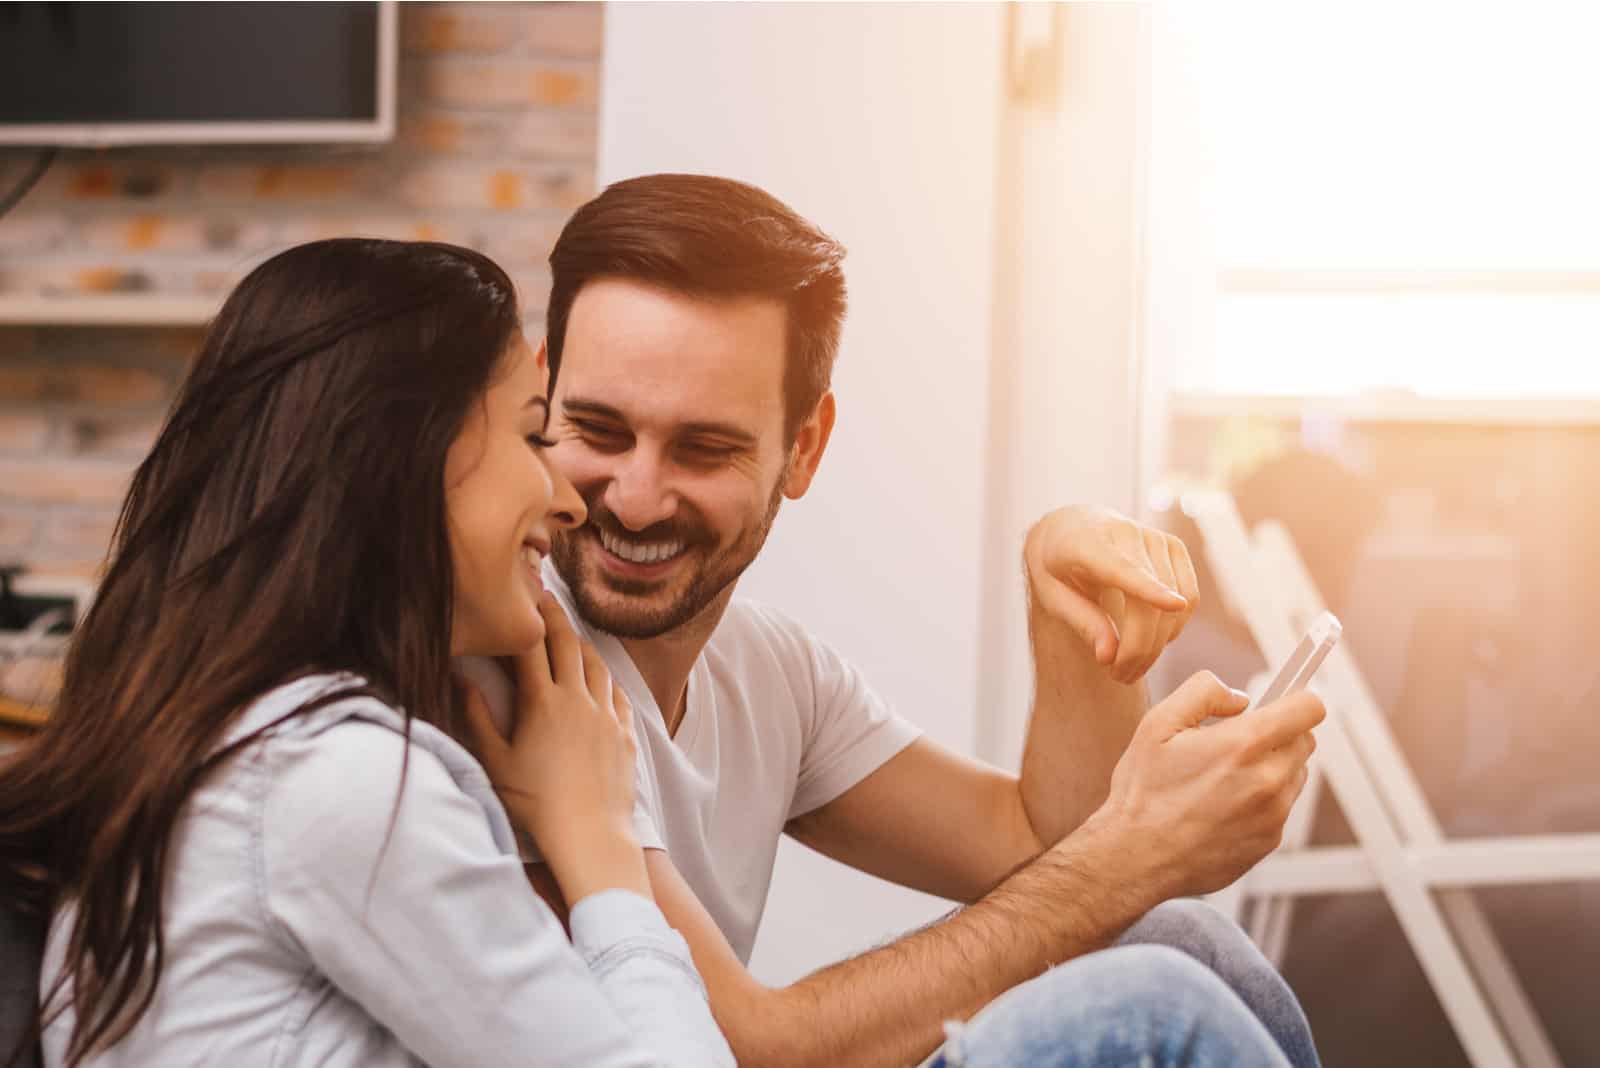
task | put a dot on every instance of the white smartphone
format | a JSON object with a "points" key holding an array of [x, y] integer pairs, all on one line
{"points": [[1319, 640]]}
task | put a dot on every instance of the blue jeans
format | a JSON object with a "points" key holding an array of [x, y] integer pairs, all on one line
{"points": [[1184, 988]]}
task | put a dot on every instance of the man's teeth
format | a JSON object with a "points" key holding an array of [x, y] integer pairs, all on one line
{"points": [[650, 553]]}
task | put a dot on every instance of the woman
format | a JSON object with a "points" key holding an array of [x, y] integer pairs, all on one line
{"points": [[250, 819]]}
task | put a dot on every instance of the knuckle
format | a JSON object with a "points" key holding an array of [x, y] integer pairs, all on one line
{"points": [[1234, 760], [1285, 802], [1258, 735]]}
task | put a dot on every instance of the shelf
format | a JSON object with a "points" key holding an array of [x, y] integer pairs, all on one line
{"points": [[110, 310], [17, 714]]}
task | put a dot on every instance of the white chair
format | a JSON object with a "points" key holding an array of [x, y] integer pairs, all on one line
{"points": [[1401, 850]]}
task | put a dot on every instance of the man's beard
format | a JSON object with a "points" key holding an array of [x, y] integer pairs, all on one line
{"points": [[637, 609]]}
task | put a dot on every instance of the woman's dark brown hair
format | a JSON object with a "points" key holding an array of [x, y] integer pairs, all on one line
{"points": [[290, 518]]}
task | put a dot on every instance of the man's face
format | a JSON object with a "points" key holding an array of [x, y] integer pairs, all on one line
{"points": [[668, 418]]}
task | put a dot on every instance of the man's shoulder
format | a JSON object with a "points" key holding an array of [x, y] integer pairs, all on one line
{"points": [[759, 649], [749, 622], [756, 640]]}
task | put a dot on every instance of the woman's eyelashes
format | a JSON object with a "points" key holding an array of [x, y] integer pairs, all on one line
{"points": [[539, 441]]}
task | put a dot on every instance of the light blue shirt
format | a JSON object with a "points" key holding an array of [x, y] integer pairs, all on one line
{"points": [[309, 921]]}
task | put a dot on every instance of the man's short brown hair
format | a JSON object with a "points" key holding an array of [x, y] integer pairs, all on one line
{"points": [[704, 236]]}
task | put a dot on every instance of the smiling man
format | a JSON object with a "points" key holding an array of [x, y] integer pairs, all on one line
{"points": [[695, 322]]}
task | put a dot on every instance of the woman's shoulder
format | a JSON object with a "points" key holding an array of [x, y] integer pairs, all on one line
{"points": [[342, 770], [307, 705]]}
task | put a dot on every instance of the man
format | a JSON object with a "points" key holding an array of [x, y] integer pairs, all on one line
{"points": [[694, 322]]}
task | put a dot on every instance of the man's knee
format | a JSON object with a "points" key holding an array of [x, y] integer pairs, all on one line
{"points": [[1145, 1004], [1221, 946], [1193, 927], [1139, 981]]}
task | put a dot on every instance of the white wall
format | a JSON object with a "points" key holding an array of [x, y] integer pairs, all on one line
{"points": [[879, 123], [997, 281], [1067, 401]]}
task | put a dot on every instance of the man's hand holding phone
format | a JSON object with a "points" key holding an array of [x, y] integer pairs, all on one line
{"points": [[1204, 803]]}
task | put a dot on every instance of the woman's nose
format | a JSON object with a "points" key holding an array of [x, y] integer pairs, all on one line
{"points": [[567, 509]]}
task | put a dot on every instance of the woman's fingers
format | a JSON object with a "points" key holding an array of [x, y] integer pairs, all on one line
{"points": [[595, 673], [622, 707], [486, 740], [532, 668], [562, 643]]}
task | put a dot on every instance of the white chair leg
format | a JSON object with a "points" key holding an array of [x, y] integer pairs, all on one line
{"points": [[1271, 922], [1441, 957], [1477, 939], [1375, 788]]}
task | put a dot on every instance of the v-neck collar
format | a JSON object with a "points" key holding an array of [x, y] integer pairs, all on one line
{"points": [[627, 673]]}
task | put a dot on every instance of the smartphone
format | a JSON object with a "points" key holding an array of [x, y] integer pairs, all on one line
{"points": [[1319, 640]]}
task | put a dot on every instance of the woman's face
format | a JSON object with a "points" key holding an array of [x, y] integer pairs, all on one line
{"points": [[503, 503]]}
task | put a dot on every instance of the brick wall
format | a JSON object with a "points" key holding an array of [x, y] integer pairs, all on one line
{"points": [[495, 147]]}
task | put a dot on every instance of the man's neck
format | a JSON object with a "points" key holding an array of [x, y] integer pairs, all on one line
{"points": [[664, 662]]}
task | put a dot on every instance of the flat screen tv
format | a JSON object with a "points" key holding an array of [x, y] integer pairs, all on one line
{"points": [[175, 73]]}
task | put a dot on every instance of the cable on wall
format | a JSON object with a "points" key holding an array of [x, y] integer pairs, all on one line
{"points": [[41, 163]]}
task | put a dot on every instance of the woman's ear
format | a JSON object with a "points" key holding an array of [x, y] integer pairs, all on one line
{"points": [[809, 444]]}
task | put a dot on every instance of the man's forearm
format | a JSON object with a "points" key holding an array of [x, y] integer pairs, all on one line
{"points": [[887, 1006], [1081, 722]]}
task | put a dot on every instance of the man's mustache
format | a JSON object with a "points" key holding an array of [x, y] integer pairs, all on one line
{"points": [[676, 529]]}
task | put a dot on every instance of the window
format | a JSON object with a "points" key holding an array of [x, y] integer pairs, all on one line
{"points": [[1405, 197]]}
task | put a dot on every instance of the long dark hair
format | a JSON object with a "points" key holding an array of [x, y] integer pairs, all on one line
{"points": [[290, 518]]}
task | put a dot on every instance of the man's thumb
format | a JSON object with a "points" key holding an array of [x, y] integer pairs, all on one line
{"points": [[1202, 696]]}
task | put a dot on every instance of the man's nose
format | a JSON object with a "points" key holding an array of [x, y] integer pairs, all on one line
{"points": [[639, 494]]}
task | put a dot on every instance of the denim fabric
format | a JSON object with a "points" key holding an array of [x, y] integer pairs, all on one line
{"points": [[1200, 931], [1183, 988]]}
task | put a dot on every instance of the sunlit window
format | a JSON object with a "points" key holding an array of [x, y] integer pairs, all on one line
{"points": [[1406, 196]]}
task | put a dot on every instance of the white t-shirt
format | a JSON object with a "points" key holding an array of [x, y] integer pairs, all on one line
{"points": [[777, 724]]}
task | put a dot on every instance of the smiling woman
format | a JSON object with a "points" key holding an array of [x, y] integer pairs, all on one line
{"points": [[505, 504], [251, 824]]}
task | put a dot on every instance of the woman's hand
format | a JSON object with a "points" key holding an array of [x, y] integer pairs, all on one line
{"points": [[566, 774]]}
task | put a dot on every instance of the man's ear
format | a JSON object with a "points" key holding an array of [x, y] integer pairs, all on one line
{"points": [[809, 445]]}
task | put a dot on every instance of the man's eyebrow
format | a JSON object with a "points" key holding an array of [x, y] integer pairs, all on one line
{"points": [[578, 406]]}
